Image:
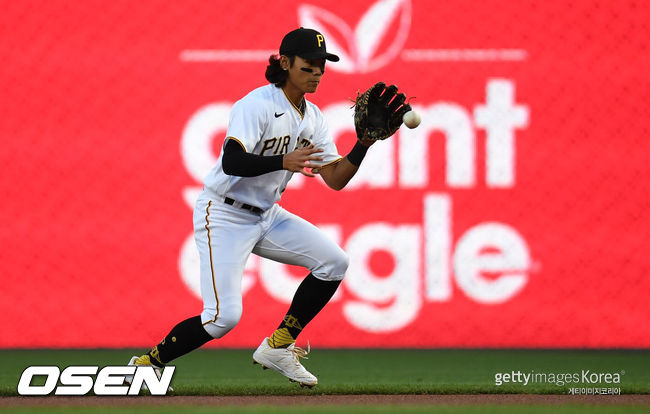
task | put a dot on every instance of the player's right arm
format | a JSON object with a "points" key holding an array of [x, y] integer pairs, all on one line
{"points": [[300, 159], [236, 161]]}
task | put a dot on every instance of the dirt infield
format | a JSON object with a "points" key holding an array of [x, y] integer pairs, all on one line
{"points": [[330, 400]]}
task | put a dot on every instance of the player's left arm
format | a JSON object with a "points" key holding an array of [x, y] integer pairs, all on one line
{"points": [[338, 175]]}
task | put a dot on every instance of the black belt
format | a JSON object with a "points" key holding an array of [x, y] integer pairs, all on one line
{"points": [[244, 206]]}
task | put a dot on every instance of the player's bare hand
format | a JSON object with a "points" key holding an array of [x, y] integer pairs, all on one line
{"points": [[301, 159]]}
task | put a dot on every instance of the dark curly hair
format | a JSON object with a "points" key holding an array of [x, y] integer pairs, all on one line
{"points": [[274, 72]]}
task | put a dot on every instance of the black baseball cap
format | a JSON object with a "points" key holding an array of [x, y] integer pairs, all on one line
{"points": [[306, 43]]}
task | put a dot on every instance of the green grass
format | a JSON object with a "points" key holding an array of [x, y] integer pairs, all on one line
{"points": [[231, 372], [354, 409]]}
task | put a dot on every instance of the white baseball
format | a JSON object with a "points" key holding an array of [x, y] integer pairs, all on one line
{"points": [[411, 119]]}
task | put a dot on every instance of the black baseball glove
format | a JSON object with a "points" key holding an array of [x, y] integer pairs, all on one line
{"points": [[378, 112]]}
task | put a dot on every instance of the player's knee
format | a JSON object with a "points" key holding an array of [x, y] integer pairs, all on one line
{"points": [[335, 268], [229, 319], [220, 324], [342, 265]]}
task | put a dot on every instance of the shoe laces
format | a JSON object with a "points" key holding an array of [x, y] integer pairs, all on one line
{"points": [[301, 352]]}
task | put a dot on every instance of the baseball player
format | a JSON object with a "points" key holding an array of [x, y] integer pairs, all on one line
{"points": [[273, 132]]}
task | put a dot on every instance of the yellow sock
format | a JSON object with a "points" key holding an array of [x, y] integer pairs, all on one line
{"points": [[281, 338], [155, 355]]}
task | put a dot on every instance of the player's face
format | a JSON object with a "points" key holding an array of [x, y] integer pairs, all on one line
{"points": [[306, 74]]}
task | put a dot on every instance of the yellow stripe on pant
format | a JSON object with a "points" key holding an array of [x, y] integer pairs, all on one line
{"points": [[214, 284]]}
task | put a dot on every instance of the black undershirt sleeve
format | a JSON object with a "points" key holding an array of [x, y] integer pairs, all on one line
{"points": [[236, 161], [357, 154]]}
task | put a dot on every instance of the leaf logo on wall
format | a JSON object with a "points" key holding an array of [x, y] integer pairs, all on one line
{"points": [[376, 40]]}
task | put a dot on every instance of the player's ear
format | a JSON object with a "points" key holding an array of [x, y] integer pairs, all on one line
{"points": [[284, 62]]}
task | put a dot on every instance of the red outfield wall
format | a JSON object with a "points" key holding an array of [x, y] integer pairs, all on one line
{"points": [[516, 215]]}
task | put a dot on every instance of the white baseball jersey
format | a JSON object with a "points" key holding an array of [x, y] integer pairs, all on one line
{"points": [[266, 123]]}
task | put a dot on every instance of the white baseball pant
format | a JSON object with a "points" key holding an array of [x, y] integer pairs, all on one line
{"points": [[226, 235]]}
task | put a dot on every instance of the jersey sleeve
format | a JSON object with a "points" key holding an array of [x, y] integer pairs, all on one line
{"points": [[323, 139], [247, 122]]}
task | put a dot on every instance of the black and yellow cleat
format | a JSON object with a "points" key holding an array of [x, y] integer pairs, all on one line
{"points": [[140, 361]]}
